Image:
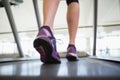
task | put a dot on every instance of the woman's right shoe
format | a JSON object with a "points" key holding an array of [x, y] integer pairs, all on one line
{"points": [[45, 44]]}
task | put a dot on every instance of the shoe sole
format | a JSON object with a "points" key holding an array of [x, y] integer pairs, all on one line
{"points": [[45, 49], [71, 58]]}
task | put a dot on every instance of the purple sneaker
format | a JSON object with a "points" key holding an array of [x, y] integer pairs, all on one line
{"points": [[71, 53], [45, 44]]}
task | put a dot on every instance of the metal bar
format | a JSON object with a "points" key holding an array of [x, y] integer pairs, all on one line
{"points": [[35, 3], [95, 26], [13, 25]]}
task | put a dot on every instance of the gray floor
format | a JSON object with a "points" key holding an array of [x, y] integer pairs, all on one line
{"points": [[84, 69]]}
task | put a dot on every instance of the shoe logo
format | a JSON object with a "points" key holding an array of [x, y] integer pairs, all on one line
{"points": [[47, 32], [52, 41]]}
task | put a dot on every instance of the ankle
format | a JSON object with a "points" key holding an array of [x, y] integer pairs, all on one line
{"points": [[71, 46], [50, 31], [51, 28]]}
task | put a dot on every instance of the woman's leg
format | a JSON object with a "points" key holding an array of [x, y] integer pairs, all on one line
{"points": [[49, 11], [45, 42], [72, 20]]}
